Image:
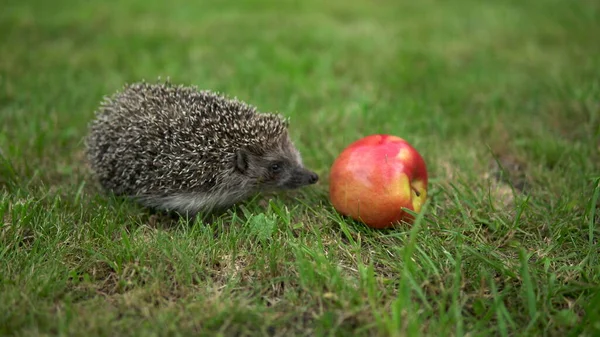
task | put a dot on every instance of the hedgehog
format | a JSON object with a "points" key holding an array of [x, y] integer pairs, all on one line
{"points": [[176, 148]]}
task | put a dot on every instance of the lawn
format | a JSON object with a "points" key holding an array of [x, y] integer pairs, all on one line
{"points": [[502, 99]]}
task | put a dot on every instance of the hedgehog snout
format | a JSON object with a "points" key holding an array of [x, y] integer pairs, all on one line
{"points": [[301, 177], [313, 178], [308, 177]]}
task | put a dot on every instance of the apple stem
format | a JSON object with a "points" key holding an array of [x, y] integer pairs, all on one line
{"points": [[416, 192]]}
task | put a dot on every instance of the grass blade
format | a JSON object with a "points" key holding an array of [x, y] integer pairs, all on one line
{"points": [[528, 286]]}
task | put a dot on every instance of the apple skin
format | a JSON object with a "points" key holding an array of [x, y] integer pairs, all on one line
{"points": [[375, 177]]}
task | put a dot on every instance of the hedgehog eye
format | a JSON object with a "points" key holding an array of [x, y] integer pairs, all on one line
{"points": [[275, 168]]}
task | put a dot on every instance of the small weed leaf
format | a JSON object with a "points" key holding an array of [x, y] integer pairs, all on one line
{"points": [[262, 226]]}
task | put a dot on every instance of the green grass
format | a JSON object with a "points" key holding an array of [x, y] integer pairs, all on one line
{"points": [[500, 97]]}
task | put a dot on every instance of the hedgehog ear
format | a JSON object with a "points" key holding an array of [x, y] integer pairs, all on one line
{"points": [[241, 160]]}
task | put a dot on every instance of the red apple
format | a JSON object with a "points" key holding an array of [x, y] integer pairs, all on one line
{"points": [[375, 177]]}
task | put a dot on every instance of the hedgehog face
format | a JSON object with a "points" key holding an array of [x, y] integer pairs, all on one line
{"points": [[276, 168]]}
